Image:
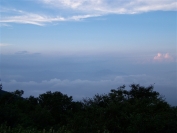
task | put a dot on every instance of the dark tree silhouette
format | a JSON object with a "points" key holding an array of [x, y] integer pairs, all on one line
{"points": [[138, 109], [0, 85]]}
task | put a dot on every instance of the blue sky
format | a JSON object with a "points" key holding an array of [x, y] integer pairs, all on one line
{"points": [[84, 47]]}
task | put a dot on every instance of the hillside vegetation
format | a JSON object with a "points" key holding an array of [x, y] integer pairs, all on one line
{"points": [[138, 110]]}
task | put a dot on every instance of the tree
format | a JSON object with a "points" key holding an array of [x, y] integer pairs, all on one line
{"points": [[18, 93], [58, 104], [140, 109], [0, 85]]}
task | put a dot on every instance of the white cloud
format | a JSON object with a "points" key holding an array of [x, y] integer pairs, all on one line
{"points": [[38, 19], [80, 17], [81, 9], [117, 6], [163, 57], [30, 18]]}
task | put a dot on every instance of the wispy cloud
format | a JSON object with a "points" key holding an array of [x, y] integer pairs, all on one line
{"points": [[74, 10], [39, 19], [28, 18], [4, 25], [117, 6]]}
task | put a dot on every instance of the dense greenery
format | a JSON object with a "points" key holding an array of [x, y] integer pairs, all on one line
{"points": [[138, 110]]}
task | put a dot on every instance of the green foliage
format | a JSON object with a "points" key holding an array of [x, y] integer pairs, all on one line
{"points": [[140, 109]]}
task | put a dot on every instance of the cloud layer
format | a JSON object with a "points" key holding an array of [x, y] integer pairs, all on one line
{"points": [[87, 88], [84, 76], [74, 10]]}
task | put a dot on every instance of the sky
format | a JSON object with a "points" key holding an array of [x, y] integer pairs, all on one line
{"points": [[85, 47]]}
